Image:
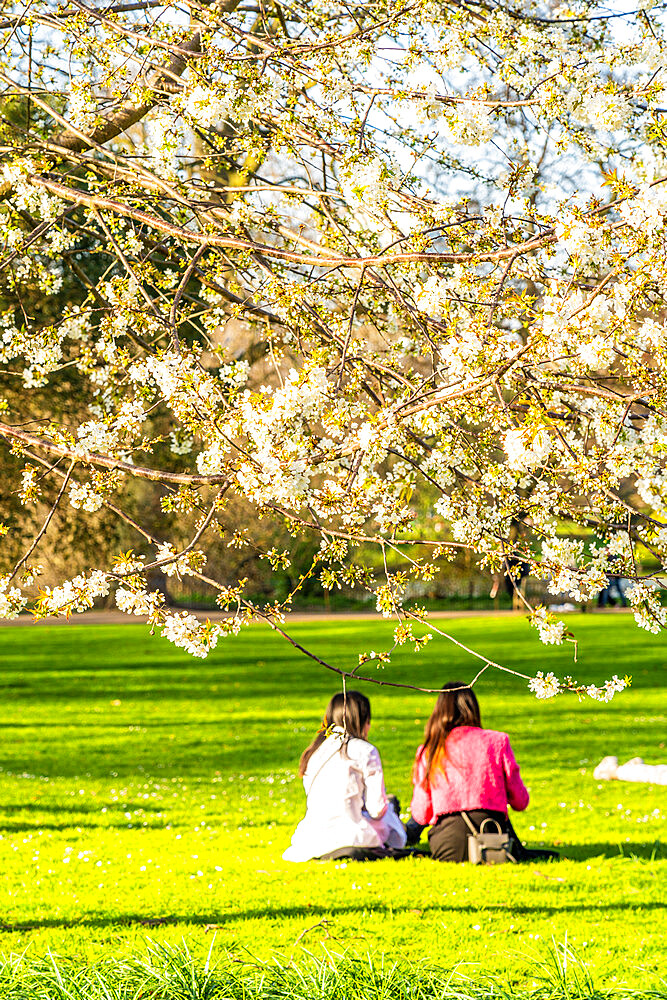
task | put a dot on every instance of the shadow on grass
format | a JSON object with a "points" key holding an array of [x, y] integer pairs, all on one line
{"points": [[80, 809], [82, 816], [216, 921], [654, 850], [37, 827]]}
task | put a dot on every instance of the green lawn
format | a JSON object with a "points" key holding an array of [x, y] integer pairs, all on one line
{"points": [[144, 794]]}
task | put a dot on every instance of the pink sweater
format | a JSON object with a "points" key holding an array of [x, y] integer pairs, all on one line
{"points": [[478, 772]]}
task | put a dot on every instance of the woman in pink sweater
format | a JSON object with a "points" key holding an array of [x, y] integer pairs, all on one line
{"points": [[462, 767]]}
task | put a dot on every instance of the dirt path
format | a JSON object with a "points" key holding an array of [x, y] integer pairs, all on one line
{"points": [[117, 618]]}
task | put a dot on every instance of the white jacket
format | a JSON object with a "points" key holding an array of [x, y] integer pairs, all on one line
{"points": [[346, 802]]}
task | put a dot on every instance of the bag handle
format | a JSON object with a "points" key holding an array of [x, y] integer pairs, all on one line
{"points": [[487, 819], [490, 819], [469, 823]]}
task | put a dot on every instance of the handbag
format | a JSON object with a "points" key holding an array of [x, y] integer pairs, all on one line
{"points": [[488, 848]]}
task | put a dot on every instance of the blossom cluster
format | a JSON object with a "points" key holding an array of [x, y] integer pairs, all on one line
{"points": [[73, 596], [186, 631], [607, 691], [82, 496], [525, 452], [548, 686], [551, 631], [650, 614], [174, 564], [132, 602], [545, 686], [12, 600]]}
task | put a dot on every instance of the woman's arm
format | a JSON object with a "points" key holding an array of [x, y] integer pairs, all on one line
{"points": [[376, 800], [421, 806], [517, 793]]}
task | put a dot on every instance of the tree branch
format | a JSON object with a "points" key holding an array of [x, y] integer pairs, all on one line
{"points": [[106, 462]]}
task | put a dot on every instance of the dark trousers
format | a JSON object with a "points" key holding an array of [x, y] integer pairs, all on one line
{"points": [[368, 854], [448, 837]]}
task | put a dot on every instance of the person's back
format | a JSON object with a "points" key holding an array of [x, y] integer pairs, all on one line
{"points": [[339, 785], [477, 771], [347, 808]]}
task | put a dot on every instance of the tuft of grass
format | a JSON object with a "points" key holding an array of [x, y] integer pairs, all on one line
{"points": [[562, 974], [176, 974]]}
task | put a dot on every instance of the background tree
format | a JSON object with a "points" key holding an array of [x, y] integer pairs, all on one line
{"points": [[324, 256]]}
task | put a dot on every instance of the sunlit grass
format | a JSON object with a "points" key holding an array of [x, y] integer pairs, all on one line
{"points": [[143, 794]]}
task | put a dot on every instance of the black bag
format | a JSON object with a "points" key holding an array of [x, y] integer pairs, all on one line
{"points": [[488, 848]]}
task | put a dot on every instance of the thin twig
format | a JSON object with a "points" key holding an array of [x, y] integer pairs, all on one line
{"points": [[46, 523], [179, 292]]}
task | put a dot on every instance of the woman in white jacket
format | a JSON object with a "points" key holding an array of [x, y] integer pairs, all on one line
{"points": [[348, 812]]}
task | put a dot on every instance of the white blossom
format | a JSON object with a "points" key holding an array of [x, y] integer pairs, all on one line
{"points": [[189, 633], [74, 595], [30, 489], [551, 631], [544, 686], [12, 600], [607, 691], [183, 565], [82, 496], [133, 602], [647, 606], [181, 442], [205, 105], [526, 451], [470, 123]]}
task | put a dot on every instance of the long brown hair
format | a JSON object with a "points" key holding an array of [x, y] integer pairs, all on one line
{"points": [[456, 706], [351, 711]]}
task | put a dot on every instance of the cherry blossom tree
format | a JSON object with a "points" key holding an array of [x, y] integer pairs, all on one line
{"points": [[327, 256]]}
